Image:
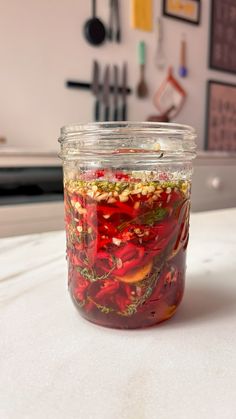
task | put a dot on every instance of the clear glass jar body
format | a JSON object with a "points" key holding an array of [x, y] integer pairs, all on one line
{"points": [[127, 199]]}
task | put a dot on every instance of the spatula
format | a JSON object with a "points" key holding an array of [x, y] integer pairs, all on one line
{"points": [[142, 89]]}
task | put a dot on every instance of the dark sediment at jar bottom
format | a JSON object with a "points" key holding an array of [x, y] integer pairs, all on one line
{"points": [[161, 305]]}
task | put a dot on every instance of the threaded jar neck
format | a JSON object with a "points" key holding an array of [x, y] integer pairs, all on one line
{"points": [[128, 140]]}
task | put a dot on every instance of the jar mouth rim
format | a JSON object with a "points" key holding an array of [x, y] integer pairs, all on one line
{"points": [[148, 127], [100, 140]]}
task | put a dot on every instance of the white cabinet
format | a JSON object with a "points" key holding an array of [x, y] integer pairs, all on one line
{"points": [[26, 218], [31, 218], [214, 182]]}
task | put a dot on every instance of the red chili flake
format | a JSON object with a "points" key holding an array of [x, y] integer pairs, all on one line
{"points": [[92, 174], [163, 176], [122, 176], [99, 173]]}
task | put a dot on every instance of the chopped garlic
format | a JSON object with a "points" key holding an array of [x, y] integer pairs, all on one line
{"points": [[102, 196], [116, 241], [106, 216], [137, 205], [123, 198], [156, 147], [111, 200], [77, 205], [126, 192], [82, 211], [119, 263]]}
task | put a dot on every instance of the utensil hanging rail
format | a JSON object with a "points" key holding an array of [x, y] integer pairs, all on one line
{"points": [[71, 84]]}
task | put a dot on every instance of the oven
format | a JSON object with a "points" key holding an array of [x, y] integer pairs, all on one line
{"points": [[31, 193]]}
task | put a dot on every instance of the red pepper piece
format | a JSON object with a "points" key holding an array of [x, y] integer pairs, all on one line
{"points": [[74, 258], [106, 228], [170, 199], [103, 242], [131, 257], [122, 301], [113, 294], [104, 261], [109, 287], [80, 287], [117, 208]]}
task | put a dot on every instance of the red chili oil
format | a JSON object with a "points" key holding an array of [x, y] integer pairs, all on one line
{"points": [[126, 247]]}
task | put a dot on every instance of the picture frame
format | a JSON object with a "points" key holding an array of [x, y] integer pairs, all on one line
{"points": [[220, 130], [188, 11], [223, 36]]}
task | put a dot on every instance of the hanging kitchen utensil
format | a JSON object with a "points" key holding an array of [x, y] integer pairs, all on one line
{"points": [[118, 25], [124, 93], [106, 93], [170, 96], [94, 29], [183, 71], [114, 30], [111, 18], [115, 94], [161, 117], [160, 59], [95, 90], [142, 89], [142, 15]]}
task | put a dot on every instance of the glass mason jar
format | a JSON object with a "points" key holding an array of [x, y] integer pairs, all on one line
{"points": [[127, 199]]}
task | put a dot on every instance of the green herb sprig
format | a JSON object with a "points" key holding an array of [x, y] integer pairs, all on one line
{"points": [[148, 218]]}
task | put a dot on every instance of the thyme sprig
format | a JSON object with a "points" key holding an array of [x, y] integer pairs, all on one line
{"points": [[90, 274], [148, 218], [150, 283]]}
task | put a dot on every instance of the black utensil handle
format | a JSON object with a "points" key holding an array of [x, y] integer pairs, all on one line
{"points": [[118, 38], [106, 113], [109, 29], [109, 34], [94, 8], [117, 11], [124, 112], [116, 115], [97, 111]]}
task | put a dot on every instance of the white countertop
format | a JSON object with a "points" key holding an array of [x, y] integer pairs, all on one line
{"points": [[55, 365]]}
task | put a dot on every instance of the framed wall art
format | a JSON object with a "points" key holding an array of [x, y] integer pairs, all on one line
{"points": [[221, 116], [187, 10], [223, 35]]}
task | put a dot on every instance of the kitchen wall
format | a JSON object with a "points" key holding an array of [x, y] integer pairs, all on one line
{"points": [[41, 45]]}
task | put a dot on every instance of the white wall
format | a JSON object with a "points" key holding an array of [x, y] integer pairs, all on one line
{"points": [[41, 45]]}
